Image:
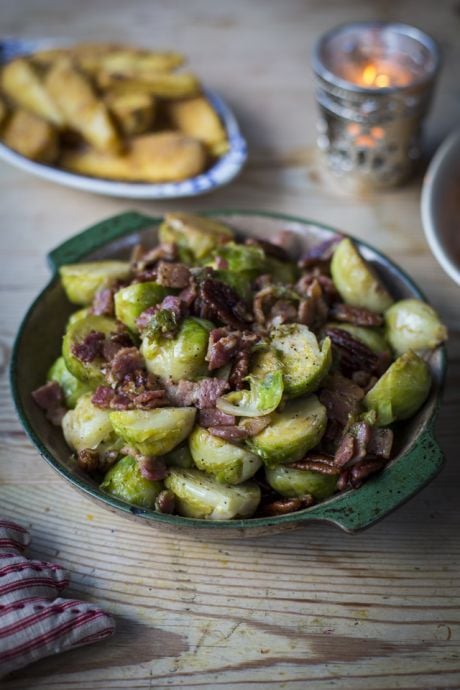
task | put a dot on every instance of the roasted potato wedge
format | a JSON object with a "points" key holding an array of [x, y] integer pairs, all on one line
{"points": [[31, 136], [80, 106], [133, 112], [197, 118], [162, 157], [163, 85], [22, 83], [132, 64]]}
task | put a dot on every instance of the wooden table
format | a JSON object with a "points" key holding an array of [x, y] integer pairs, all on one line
{"points": [[313, 608]]}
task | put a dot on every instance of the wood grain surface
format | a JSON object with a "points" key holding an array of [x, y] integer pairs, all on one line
{"points": [[313, 608]]}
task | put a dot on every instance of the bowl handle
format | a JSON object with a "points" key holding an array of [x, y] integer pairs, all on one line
{"points": [[394, 486], [96, 236]]}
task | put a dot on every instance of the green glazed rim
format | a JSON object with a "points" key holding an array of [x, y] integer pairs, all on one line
{"points": [[352, 510]]}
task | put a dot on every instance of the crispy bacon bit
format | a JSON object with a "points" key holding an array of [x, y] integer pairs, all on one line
{"points": [[103, 302], [50, 398], [234, 434], [381, 443], [103, 396], [355, 315], [189, 294], [148, 400], [211, 416], [165, 502], [270, 249], [341, 397], [222, 347], [88, 461], [173, 275], [142, 258], [283, 506], [114, 343], [240, 369], [126, 362], [152, 468], [90, 348], [202, 393], [219, 302], [354, 355], [274, 305], [320, 253], [345, 451], [145, 317]]}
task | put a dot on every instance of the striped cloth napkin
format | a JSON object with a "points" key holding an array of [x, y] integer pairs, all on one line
{"points": [[34, 620]]}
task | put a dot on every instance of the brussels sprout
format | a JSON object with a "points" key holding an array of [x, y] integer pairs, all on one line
{"points": [[240, 282], [200, 496], [82, 281], [181, 357], [194, 234], [71, 386], [230, 464], [154, 432], [291, 433], [179, 457], [88, 372], [304, 363], [355, 279], [265, 393], [240, 257], [413, 325], [401, 390], [373, 337], [125, 481], [281, 271], [291, 482], [87, 426], [131, 301], [78, 316]]}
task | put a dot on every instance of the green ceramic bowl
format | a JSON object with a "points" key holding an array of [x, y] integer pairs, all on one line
{"points": [[418, 456]]}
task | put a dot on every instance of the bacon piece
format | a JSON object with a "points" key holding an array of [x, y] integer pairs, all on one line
{"points": [[222, 347], [202, 394], [346, 451], [381, 443], [211, 416], [103, 304], [165, 502], [152, 468], [320, 253], [364, 469], [103, 396], [50, 398], [173, 275], [233, 433], [341, 397], [255, 425], [270, 249], [90, 348], [125, 362]]}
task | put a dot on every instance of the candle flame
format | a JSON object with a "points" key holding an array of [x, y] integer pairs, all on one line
{"points": [[371, 77]]}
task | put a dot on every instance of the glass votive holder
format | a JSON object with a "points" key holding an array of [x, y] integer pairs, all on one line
{"points": [[374, 82]]}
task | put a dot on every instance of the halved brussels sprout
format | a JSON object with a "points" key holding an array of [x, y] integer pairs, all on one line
{"points": [[284, 272], [265, 392], [371, 336], [291, 482], [413, 325], [154, 432], [181, 357], [82, 281], [356, 280], [291, 433], [240, 257], [179, 457], [401, 390], [304, 363], [228, 463], [88, 372], [194, 234], [87, 426], [125, 481], [200, 496], [72, 387], [132, 300], [240, 282], [78, 316]]}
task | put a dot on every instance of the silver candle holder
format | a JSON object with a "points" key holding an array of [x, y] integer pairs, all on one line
{"points": [[374, 82]]}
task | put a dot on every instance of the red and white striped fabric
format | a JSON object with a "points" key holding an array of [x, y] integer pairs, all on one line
{"points": [[34, 620]]}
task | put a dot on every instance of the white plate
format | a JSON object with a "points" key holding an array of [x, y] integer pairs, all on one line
{"points": [[221, 173], [441, 205]]}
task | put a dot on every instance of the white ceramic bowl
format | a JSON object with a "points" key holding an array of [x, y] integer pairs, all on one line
{"points": [[221, 173], [441, 205]]}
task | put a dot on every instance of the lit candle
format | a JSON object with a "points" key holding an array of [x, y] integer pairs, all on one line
{"points": [[374, 82]]}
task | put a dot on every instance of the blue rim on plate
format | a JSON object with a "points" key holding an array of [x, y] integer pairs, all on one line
{"points": [[222, 172]]}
